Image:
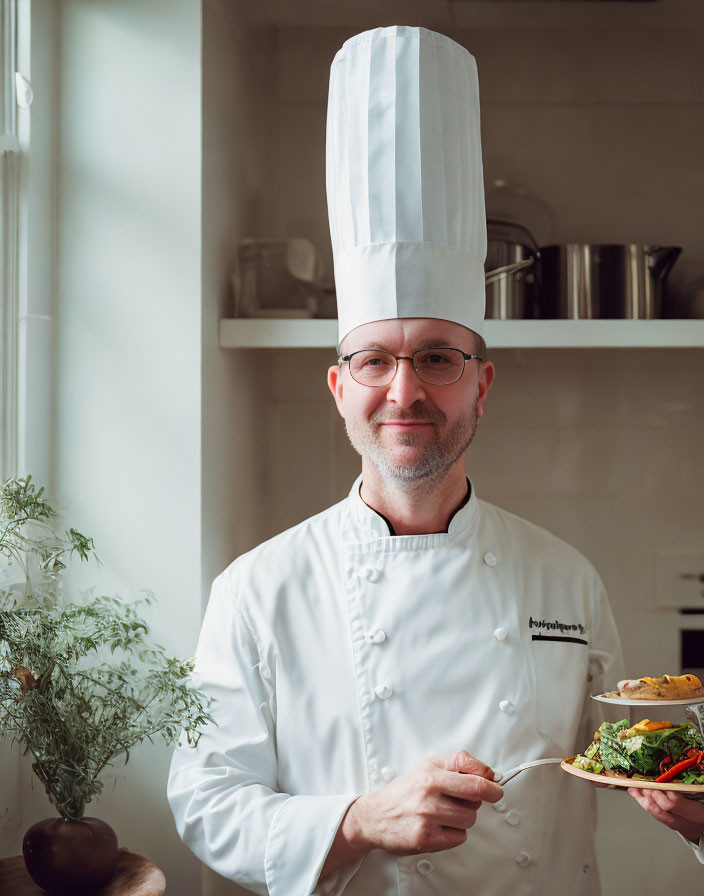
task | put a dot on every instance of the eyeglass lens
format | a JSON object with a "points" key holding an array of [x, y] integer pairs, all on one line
{"points": [[437, 367]]}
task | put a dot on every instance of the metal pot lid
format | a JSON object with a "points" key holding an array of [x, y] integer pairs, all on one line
{"points": [[501, 231]]}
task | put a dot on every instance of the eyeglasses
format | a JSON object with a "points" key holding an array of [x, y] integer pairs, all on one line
{"points": [[435, 366]]}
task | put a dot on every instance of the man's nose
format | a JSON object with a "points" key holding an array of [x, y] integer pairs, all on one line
{"points": [[406, 387]]}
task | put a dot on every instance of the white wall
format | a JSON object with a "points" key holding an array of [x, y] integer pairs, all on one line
{"points": [[128, 347]]}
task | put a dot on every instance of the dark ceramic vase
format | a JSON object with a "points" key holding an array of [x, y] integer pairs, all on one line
{"points": [[70, 858]]}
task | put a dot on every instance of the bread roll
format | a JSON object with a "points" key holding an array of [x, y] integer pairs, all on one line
{"points": [[669, 687]]}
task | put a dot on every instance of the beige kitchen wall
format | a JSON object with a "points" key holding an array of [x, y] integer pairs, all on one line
{"points": [[605, 126], [601, 447]]}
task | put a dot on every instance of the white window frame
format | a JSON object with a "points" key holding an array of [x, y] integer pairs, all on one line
{"points": [[27, 399], [9, 241]]}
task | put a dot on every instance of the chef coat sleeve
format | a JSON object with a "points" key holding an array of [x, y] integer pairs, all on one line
{"points": [[696, 849], [223, 793]]}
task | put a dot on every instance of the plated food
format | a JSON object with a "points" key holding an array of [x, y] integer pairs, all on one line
{"points": [[659, 752], [667, 687]]}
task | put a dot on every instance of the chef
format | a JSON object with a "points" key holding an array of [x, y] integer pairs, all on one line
{"points": [[372, 667]]}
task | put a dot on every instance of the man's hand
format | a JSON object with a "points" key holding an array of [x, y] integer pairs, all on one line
{"points": [[428, 809], [672, 809]]}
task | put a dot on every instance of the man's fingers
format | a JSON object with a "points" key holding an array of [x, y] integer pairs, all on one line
{"points": [[676, 804], [646, 799], [468, 787], [473, 805], [450, 837], [464, 762], [469, 765], [456, 813]]}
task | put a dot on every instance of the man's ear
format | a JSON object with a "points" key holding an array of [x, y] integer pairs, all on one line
{"points": [[486, 378], [335, 386]]}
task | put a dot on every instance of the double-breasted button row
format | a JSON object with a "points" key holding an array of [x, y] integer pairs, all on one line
{"points": [[513, 816], [378, 636], [501, 634]]}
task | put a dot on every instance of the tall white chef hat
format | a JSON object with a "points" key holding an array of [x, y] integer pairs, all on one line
{"points": [[404, 179]]}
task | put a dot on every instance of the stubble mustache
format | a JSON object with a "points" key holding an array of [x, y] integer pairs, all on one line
{"points": [[380, 417]]}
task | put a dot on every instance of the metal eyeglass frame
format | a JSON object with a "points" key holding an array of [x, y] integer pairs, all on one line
{"points": [[410, 358]]}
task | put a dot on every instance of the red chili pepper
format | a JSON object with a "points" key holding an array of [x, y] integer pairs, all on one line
{"points": [[694, 757], [666, 761]]}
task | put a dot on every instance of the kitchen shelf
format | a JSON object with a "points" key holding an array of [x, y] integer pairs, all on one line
{"points": [[296, 333]]}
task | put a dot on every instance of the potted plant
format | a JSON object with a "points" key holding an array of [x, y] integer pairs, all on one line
{"points": [[81, 684]]}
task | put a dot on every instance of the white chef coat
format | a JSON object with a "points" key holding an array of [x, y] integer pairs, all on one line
{"points": [[339, 657]]}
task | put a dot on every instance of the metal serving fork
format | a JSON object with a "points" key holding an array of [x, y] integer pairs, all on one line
{"points": [[503, 777]]}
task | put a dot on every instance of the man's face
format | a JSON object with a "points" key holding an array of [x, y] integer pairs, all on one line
{"points": [[410, 430]]}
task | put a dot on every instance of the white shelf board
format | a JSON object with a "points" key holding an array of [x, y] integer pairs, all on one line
{"points": [[297, 333]]}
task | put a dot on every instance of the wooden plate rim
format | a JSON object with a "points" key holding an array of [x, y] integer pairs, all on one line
{"points": [[567, 766]]}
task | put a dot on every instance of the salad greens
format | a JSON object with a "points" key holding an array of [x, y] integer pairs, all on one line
{"points": [[588, 765], [621, 748]]}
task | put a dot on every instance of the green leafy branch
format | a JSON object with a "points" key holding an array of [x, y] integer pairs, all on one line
{"points": [[82, 684], [28, 532]]}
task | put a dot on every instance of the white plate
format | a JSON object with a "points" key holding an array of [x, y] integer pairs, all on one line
{"points": [[624, 701]]}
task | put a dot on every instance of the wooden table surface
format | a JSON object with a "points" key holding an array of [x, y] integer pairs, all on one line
{"points": [[134, 876]]}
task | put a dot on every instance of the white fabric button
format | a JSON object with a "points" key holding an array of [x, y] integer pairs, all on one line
{"points": [[523, 859], [500, 634], [586, 867], [383, 691], [500, 806], [371, 574], [490, 559], [388, 773], [377, 637], [507, 707], [424, 866], [513, 816]]}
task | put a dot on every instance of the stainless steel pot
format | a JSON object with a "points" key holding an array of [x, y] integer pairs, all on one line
{"points": [[583, 281], [510, 271]]}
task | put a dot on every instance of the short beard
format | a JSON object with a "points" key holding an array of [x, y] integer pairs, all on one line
{"points": [[438, 457]]}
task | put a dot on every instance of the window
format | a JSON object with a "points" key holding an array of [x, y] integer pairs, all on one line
{"points": [[9, 237]]}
